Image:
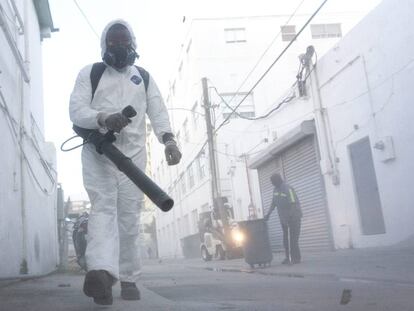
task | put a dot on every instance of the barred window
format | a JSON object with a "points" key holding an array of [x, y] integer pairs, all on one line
{"points": [[288, 32], [246, 109], [235, 35], [321, 31]]}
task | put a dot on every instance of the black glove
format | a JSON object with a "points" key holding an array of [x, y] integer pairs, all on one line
{"points": [[172, 153], [116, 122]]}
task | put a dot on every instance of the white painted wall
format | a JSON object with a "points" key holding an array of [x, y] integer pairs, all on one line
{"points": [[375, 93], [226, 66], [27, 209]]}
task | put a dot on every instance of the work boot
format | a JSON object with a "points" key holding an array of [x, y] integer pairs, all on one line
{"points": [[286, 261], [98, 285], [129, 291], [295, 261]]}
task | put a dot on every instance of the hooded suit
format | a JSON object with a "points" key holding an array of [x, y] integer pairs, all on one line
{"points": [[113, 231]]}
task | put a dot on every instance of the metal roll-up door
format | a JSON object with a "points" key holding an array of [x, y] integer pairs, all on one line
{"points": [[301, 170], [266, 192]]}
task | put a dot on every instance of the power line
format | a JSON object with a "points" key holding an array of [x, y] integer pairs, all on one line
{"points": [[299, 81], [15, 135], [86, 19], [271, 66], [267, 49], [284, 101], [226, 120]]}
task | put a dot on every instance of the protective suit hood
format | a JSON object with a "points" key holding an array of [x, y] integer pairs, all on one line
{"points": [[105, 31]]}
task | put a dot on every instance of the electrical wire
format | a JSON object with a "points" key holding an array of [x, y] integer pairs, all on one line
{"points": [[386, 79], [73, 148], [11, 20], [284, 101], [15, 135], [226, 120], [36, 145], [248, 153], [86, 19], [266, 50], [274, 63], [367, 121]]}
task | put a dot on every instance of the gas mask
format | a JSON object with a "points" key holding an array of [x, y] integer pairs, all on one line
{"points": [[120, 56]]}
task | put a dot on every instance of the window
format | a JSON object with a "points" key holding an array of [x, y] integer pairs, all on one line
{"points": [[196, 115], [178, 138], [288, 32], [246, 109], [194, 220], [185, 131], [200, 162], [234, 35], [180, 230], [180, 70], [168, 233], [186, 225], [183, 184], [187, 50], [321, 31], [190, 173], [205, 207], [149, 128]]}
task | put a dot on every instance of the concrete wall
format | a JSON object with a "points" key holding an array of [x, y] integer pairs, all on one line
{"points": [[206, 54], [366, 85], [28, 233], [360, 88]]}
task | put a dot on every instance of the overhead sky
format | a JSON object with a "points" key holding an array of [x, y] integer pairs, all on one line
{"points": [[159, 29]]}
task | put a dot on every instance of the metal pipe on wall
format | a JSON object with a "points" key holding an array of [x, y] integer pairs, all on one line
{"points": [[13, 46], [18, 16]]}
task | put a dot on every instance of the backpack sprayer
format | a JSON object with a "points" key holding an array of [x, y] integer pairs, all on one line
{"points": [[103, 145]]}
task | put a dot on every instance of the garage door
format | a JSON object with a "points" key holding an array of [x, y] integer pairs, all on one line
{"points": [[299, 164]]}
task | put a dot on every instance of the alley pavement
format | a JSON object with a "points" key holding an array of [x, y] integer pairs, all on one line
{"points": [[381, 264], [362, 279]]}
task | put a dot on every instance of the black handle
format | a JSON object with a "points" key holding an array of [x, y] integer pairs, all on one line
{"points": [[103, 144], [129, 111]]}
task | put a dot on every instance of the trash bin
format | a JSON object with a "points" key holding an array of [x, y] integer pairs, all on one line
{"points": [[256, 245]]}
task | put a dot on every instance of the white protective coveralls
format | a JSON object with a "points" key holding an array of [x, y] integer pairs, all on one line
{"points": [[113, 242]]}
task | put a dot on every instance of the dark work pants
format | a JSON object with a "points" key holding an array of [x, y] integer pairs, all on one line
{"points": [[291, 232]]}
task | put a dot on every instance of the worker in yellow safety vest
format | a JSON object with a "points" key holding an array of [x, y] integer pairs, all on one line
{"points": [[290, 214]]}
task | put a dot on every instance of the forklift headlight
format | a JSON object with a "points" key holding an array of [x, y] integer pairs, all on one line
{"points": [[238, 236]]}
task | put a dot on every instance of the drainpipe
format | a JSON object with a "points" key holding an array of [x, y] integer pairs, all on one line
{"points": [[24, 269], [18, 16], [322, 121]]}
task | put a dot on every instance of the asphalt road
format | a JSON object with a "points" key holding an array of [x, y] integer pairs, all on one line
{"points": [[190, 287], [200, 289]]}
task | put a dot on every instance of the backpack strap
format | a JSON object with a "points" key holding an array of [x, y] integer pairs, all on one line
{"points": [[99, 68], [145, 76], [96, 74]]}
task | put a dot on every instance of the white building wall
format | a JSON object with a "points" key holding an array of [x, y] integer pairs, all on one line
{"points": [[366, 84], [226, 66], [28, 233]]}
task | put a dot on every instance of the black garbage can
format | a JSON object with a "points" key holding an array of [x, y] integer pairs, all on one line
{"points": [[256, 246]]}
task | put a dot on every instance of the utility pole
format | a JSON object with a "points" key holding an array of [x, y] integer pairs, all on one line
{"points": [[216, 195], [210, 141]]}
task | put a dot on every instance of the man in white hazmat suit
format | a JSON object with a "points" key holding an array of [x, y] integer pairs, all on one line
{"points": [[113, 246]]}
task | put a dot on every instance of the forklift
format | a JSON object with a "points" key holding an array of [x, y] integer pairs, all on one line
{"points": [[220, 235]]}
